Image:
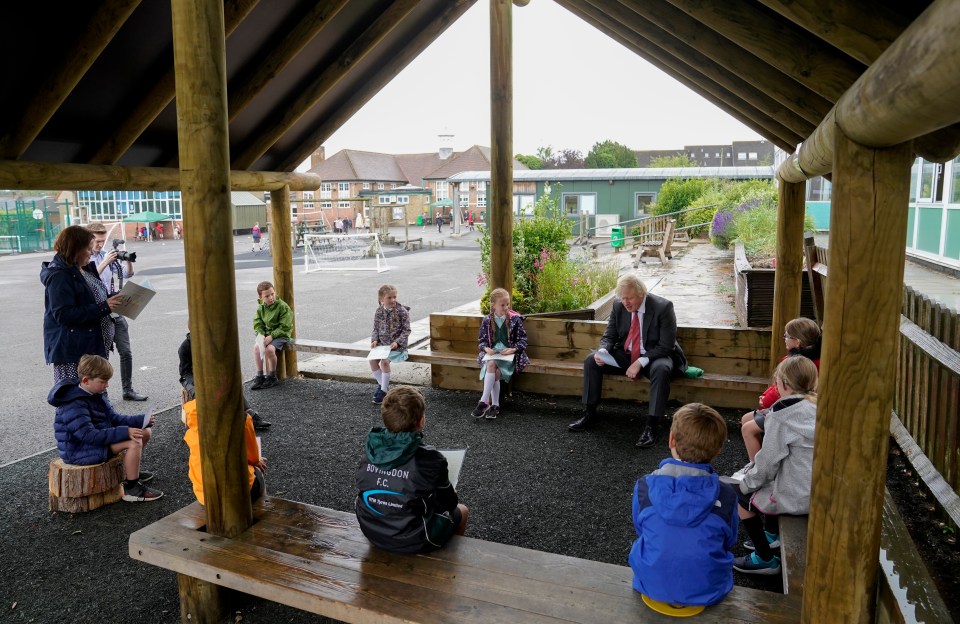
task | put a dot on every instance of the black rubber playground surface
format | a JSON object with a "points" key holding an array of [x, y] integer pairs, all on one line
{"points": [[527, 481]]}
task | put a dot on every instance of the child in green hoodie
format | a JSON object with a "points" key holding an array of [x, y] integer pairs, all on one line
{"points": [[405, 502], [274, 321]]}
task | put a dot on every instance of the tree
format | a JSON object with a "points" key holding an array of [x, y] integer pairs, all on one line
{"points": [[532, 162], [610, 155], [677, 160], [570, 159]]}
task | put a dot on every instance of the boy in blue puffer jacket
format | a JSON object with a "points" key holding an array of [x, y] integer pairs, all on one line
{"points": [[89, 431], [686, 519]]}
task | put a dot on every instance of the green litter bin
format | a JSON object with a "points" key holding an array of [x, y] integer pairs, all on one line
{"points": [[616, 236], [419, 219]]}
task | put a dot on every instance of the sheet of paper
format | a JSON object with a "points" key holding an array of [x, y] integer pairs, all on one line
{"points": [[150, 412], [607, 358], [497, 356], [134, 298], [259, 446], [258, 341], [379, 353], [454, 463]]}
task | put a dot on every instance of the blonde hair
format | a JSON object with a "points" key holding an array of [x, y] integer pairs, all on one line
{"points": [[384, 290], [632, 283], [402, 409], [96, 227], [698, 432], [497, 294], [800, 375], [94, 367], [803, 329]]}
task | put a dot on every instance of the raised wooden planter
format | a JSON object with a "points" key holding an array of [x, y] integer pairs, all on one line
{"points": [[754, 293]]}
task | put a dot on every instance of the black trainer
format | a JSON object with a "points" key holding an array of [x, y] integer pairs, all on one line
{"points": [[259, 424], [270, 382], [258, 382], [479, 410]]}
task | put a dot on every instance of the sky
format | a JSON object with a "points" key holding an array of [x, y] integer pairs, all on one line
{"points": [[573, 86]]}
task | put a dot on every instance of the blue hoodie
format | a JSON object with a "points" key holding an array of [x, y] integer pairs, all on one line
{"points": [[86, 424], [687, 525]]}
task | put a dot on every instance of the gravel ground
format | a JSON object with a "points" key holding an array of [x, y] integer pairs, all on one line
{"points": [[527, 481]]}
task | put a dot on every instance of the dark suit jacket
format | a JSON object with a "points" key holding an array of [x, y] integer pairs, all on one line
{"points": [[659, 331]]}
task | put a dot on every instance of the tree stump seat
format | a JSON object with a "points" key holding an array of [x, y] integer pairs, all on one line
{"points": [[76, 489]]}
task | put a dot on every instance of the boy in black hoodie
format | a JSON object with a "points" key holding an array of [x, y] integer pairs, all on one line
{"points": [[406, 503]]}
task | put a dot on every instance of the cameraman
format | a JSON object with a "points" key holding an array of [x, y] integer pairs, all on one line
{"points": [[108, 266]]}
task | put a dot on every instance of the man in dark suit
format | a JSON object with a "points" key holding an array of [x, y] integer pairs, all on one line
{"points": [[641, 336]]}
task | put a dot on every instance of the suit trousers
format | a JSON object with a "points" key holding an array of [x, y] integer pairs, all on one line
{"points": [[121, 340], [658, 371]]}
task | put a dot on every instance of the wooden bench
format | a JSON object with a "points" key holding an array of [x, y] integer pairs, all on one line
{"points": [[76, 489], [317, 560], [657, 248], [793, 553], [411, 244]]}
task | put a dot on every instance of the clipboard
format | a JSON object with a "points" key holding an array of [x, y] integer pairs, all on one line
{"points": [[134, 298]]}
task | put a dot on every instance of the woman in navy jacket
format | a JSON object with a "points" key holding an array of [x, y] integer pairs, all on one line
{"points": [[76, 316]]}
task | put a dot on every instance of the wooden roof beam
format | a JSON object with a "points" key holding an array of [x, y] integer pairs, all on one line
{"points": [[90, 40], [159, 95], [909, 92], [719, 97], [681, 58], [375, 82], [267, 68], [27, 175], [758, 72], [863, 30], [779, 42], [291, 112]]}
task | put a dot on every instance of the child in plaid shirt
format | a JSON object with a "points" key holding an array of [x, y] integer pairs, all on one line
{"points": [[391, 327]]}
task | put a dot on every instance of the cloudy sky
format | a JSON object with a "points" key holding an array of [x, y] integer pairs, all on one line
{"points": [[573, 86]]}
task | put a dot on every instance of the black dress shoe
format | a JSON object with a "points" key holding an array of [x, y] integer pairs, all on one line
{"points": [[586, 421], [648, 438], [133, 396], [259, 424]]}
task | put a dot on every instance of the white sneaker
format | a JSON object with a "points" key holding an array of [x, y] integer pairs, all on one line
{"points": [[738, 475]]}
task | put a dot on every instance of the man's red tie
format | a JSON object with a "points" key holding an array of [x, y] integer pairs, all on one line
{"points": [[633, 338]]}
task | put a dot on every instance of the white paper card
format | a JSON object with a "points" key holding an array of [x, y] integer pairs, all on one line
{"points": [[258, 342], [134, 298], [454, 463], [379, 353], [498, 356], [606, 357]]}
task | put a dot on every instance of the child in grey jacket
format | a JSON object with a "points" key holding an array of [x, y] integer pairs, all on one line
{"points": [[779, 481]]}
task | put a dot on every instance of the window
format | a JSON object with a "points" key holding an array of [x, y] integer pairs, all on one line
{"points": [[955, 193], [343, 205], [926, 181], [522, 205], [481, 200], [394, 185], [366, 186], [343, 187], [383, 199], [464, 198], [326, 205], [752, 156], [379, 186], [326, 190], [307, 196], [741, 155], [443, 191], [398, 212], [642, 203], [403, 199], [481, 186], [576, 204]]}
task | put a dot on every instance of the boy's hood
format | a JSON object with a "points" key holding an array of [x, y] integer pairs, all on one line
{"points": [[388, 450], [683, 494], [66, 391]]}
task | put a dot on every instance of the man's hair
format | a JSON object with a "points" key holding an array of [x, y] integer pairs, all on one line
{"points": [[632, 283], [402, 408], [803, 329], [699, 433], [94, 367], [71, 241], [262, 286], [97, 228], [384, 290]]}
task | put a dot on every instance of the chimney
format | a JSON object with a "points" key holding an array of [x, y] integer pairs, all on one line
{"points": [[318, 157], [446, 146]]}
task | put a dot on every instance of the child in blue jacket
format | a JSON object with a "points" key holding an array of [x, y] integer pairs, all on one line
{"points": [[686, 519], [89, 431]]}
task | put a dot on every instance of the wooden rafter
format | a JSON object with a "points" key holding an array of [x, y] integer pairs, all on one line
{"points": [[385, 73], [779, 42], [58, 83], [158, 96], [681, 58], [721, 98], [266, 69], [290, 113]]}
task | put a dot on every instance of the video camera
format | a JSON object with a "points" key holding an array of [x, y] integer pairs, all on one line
{"points": [[123, 254]]}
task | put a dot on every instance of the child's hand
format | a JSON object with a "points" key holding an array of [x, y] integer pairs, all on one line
{"points": [[373, 344], [267, 340], [134, 433], [262, 464], [393, 346], [509, 351], [489, 351], [151, 421]]}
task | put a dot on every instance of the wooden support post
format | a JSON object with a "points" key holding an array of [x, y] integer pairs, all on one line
{"points": [[868, 224], [791, 209], [200, 61], [283, 269], [200, 601], [501, 142]]}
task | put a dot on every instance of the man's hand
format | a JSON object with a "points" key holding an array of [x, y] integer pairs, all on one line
{"points": [[596, 357], [107, 259], [633, 371]]}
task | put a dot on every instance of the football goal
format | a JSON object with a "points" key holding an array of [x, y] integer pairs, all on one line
{"points": [[343, 252]]}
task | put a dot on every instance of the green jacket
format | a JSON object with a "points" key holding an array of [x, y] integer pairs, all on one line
{"points": [[274, 320]]}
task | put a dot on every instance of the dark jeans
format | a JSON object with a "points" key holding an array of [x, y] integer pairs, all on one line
{"points": [[121, 340], [658, 371]]}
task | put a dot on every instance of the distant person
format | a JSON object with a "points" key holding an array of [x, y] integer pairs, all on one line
{"points": [[89, 431], [360, 223], [256, 234], [470, 222], [779, 481], [177, 231], [686, 519], [256, 464], [338, 226], [346, 225], [77, 308], [501, 333], [160, 231], [391, 327], [439, 222], [185, 354], [405, 502], [274, 321]]}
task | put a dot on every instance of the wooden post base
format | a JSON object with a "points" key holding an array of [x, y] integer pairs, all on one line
{"points": [[76, 489]]}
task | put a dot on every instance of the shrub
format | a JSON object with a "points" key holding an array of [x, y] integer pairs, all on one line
{"points": [[565, 283], [677, 194], [517, 301], [755, 226]]}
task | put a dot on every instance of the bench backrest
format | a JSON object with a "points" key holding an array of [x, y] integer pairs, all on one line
{"points": [[668, 236]]}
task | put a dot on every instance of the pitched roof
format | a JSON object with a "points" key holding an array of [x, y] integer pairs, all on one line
{"points": [[355, 165], [472, 159]]}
